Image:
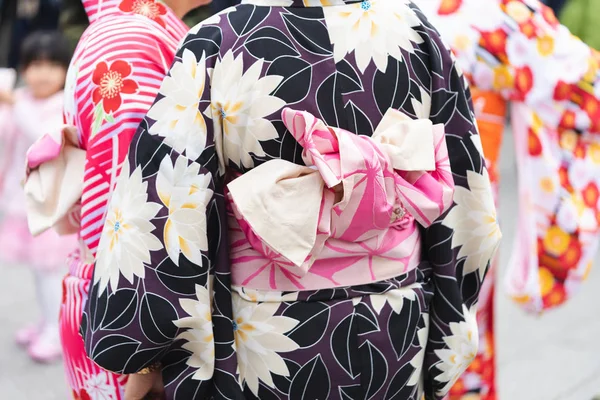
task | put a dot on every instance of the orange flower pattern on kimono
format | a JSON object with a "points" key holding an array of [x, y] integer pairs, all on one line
{"points": [[516, 51], [517, 48]]}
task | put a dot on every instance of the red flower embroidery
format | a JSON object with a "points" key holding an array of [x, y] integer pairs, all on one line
{"points": [[567, 120], [523, 82], [148, 8], [528, 29], [562, 91], [534, 143], [83, 395], [495, 42], [111, 83], [591, 195]]}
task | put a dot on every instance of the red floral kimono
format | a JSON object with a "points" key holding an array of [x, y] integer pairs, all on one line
{"points": [[515, 53], [113, 79]]}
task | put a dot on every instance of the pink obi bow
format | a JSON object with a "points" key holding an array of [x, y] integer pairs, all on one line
{"points": [[54, 182], [353, 187]]}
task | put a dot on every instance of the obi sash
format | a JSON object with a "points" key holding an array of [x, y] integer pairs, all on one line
{"points": [[350, 216]]}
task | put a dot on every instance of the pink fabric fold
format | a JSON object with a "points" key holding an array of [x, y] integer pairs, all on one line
{"points": [[54, 182], [43, 150], [349, 193]]}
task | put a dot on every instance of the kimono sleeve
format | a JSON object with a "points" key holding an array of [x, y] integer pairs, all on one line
{"points": [[526, 55], [164, 246], [553, 81], [122, 83], [461, 243]]}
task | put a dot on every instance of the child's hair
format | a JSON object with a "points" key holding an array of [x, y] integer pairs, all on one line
{"points": [[45, 46]]}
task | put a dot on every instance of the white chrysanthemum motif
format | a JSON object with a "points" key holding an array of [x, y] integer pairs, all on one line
{"points": [[177, 116], [474, 222], [240, 103], [422, 108], [259, 337], [184, 191], [373, 30], [98, 387], [395, 298], [127, 238], [259, 296], [417, 361], [476, 139], [199, 338], [461, 351]]}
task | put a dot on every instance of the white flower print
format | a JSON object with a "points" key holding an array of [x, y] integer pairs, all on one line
{"points": [[461, 351], [476, 139], [423, 107], [127, 238], [374, 30], [474, 222], [240, 101], [98, 388], [184, 191], [177, 116], [259, 337], [395, 298], [199, 338], [257, 296], [418, 359]]}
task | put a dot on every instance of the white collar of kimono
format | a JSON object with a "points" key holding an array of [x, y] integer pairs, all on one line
{"points": [[301, 3]]}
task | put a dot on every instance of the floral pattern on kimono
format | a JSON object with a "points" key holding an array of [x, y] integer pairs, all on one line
{"points": [[515, 51], [113, 78], [162, 289], [518, 49]]}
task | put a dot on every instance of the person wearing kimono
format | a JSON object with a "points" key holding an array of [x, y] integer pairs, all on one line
{"points": [[517, 57], [113, 78], [73, 19], [305, 213]]}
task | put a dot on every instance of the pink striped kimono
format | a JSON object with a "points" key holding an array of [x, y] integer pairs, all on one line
{"points": [[114, 76]]}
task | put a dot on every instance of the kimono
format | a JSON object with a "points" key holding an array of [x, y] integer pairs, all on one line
{"points": [[112, 80], [516, 54], [20, 126], [305, 212]]}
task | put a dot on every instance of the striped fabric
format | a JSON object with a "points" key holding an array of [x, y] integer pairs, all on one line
{"points": [[113, 79]]}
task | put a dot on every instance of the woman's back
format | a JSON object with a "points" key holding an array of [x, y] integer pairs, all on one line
{"points": [[326, 252]]}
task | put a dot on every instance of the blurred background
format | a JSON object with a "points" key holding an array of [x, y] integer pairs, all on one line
{"points": [[555, 356]]}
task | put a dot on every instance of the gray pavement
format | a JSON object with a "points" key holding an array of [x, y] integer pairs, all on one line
{"points": [[552, 357]]}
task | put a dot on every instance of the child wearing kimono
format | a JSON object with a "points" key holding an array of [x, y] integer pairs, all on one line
{"points": [[305, 213], [517, 56], [26, 114]]}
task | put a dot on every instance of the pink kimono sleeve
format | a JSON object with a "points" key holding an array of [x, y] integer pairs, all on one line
{"points": [[122, 87]]}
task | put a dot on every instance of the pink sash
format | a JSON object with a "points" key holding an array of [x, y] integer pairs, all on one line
{"points": [[357, 202]]}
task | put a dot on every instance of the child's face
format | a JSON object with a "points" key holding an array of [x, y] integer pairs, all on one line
{"points": [[44, 78]]}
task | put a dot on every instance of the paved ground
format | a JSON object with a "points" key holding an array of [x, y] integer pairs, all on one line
{"points": [[553, 357]]}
